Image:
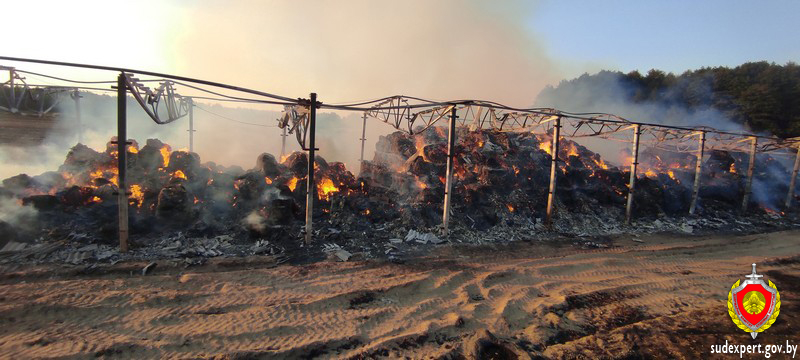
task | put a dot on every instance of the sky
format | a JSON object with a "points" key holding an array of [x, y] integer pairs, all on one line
{"points": [[446, 49], [352, 50]]}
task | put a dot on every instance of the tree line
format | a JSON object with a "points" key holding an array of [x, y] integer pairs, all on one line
{"points": [[763, 96]]}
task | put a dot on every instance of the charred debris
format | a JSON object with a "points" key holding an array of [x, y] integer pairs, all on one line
{"points": [[183, 209]]}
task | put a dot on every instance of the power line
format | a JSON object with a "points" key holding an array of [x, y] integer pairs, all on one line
{"points": [[234, 120]]}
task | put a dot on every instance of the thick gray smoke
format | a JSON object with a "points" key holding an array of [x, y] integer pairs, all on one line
{"points": [[99, 124], [607, 92]]}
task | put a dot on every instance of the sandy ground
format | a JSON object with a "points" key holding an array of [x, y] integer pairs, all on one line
{"points": [[664, 298]]}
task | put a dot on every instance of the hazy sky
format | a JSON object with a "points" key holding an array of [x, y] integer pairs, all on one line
{"points": [[442, 49], [344, 50]]}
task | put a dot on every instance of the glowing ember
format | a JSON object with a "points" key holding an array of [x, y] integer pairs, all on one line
{"points": [[95, 199], [137, 195], [267, 180], [601, 163], [292, 184], [544, 145], [179, 174], [133, 149], [366, 212], [165, 150], [572, 151], [510, 207], [671, 174], [650, 173], [326, 188], [419, 142], [516, 170], [196, 200], [732, 169]]}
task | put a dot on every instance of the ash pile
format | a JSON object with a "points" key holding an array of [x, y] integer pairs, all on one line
{"points": [[181, 208]]}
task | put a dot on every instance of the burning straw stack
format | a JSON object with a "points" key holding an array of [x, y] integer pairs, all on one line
{"points": [[498, 176]]}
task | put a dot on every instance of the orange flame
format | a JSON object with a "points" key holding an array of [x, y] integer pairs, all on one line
{"points": [[165, 150], [137, 195], [292, 184], [267, 180], [510, 207], [544, 145], [179, 174], [671, 174], [326, 188]]}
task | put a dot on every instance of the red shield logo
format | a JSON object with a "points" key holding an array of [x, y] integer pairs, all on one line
{"points": [[753, 305]]}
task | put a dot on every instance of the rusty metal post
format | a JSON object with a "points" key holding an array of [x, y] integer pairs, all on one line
{"points": [[283, 143], [553, 169], [698, 172], [448, 185], [122, 150], [363, 140], [750, 167], [632, 186], [191, 125], [76, 95], [311, 189], [12, 101], [792, 181]]}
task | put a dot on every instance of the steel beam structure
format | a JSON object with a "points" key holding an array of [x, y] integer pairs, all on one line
{"points": [[311, 189], [190, 101], [698, 170], [750, 168], [448, 186], [637, 131], [793, 180], [551, 193], [122, 150]]}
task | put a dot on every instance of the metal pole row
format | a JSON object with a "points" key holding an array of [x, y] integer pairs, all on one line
{"points": [[634, 162], [448, 187], [792, 181], [553, 169], [750, 167], [122, 150], [363, 140], [310, 186], [191, 125], [698, 170]]}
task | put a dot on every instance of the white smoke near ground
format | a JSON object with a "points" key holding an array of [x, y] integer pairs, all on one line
{"points": [[21, 216], [345, 51], [606, 92], [99, 125]]}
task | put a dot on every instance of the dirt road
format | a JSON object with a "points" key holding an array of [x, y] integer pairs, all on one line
{"points": [[664, 298]]}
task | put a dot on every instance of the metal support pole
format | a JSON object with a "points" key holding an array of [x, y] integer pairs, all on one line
{"points": [[792, 181], [448, 185], [191, 125], [311, 189], [77, 98], [12, 101], [122, 147], [698, 172], [283, 142], [631, 188], [553, 169], [363, 139], [750, 167]]}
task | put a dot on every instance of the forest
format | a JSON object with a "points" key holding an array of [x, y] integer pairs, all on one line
{"points": [[761, 96]]}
